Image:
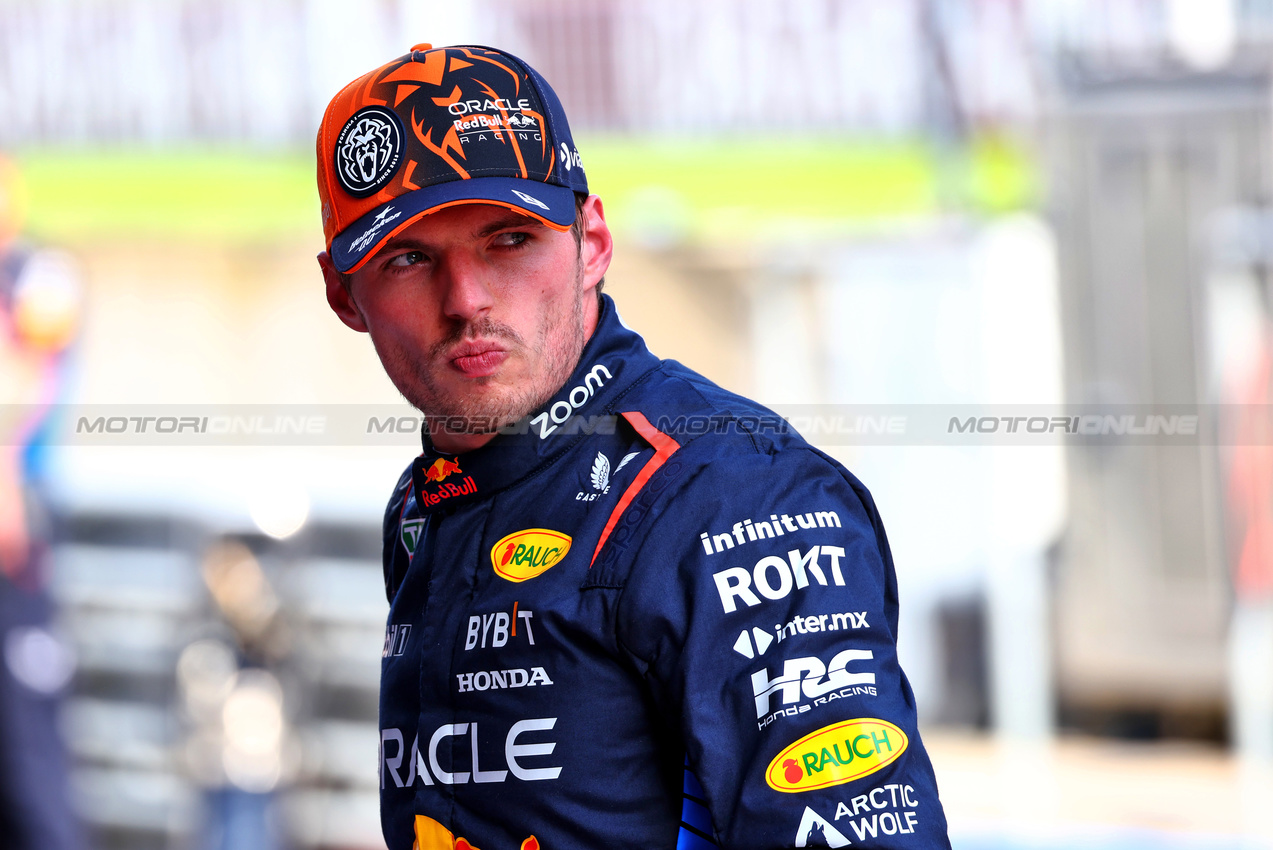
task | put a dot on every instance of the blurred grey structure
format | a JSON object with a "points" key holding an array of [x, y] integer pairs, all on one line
{"points": [[1143, 159], [134, 601], [130, 595], [159, 71]]}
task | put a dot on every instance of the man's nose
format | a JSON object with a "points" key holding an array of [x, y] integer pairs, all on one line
{"points": [[467, 294]]}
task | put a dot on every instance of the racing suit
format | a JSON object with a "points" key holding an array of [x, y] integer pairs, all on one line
{"points": [[649, 616]]}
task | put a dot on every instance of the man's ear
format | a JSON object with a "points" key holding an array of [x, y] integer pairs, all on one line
{"points": [[338, 297], [596, 244]]}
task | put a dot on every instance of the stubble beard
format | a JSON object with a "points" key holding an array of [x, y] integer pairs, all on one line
{"points": [[558, 346]]}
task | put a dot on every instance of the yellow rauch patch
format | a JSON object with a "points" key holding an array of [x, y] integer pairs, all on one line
{"points": [[525, 554], [836, 754]]}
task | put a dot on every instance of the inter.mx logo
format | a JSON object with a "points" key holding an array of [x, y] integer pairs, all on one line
{"points": [[797, 625]]}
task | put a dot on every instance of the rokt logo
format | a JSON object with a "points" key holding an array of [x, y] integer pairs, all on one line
{"points": [[775, 578], [836, 754], [526, 554]]}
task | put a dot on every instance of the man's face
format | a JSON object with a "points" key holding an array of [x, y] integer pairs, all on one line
{"points": [[477, 312]]}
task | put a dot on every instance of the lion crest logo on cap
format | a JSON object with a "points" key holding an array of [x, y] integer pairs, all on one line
{"points": [[368, 150]]}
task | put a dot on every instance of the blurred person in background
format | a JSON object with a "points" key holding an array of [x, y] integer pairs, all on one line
{"points": [[628, 608], [234, 703], [39, 310]]}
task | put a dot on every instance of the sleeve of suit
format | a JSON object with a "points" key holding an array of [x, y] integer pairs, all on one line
{"points": [[762, 612]]}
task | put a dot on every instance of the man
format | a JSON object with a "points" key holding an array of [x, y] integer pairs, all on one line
{"points": [[628, 609], [39, 313]]}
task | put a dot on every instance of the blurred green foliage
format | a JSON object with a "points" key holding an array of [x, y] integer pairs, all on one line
{"points": [[218, 195], [708, 188]]}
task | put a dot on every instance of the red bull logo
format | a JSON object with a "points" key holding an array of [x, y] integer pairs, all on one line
{"points": [[441, 468], [836, 754], [438, 488], [431, 835], [525, 554]]}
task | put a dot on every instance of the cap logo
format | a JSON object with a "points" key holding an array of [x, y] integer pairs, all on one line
{"points": [[570, 157], [385, 216], [530, 200], [368, 150]]}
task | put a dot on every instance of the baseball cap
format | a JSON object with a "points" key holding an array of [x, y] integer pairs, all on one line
{"points": [[438, 127]]}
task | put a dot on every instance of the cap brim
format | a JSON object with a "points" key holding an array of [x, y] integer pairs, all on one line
{"points": [[553, 205]]}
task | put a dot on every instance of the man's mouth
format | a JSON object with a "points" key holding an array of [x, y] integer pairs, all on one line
{"points": [[477, 359]]}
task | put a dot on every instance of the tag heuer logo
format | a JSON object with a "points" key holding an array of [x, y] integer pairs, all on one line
{"points": [[368, 150], [411, 534]]}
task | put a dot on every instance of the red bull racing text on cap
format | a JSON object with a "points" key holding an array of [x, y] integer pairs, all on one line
{"points": [[435, 128]]}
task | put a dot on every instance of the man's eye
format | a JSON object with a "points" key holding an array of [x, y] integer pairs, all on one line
{"points": [[410, 258], [511, 240]]}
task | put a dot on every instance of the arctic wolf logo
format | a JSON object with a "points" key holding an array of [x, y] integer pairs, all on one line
{"points": [[368, 150], [811, 824]]}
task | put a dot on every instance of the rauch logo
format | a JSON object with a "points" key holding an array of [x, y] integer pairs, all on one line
{"points": [[836, 754], [525, 554]]}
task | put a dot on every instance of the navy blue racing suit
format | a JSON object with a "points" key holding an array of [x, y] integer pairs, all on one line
{"points": [[650, 616]]}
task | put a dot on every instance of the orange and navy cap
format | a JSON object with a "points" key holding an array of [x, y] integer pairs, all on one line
{"points": [[435, 128]]}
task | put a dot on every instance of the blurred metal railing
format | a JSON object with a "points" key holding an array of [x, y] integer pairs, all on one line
{"points": [[159, 659], [157, 71]]}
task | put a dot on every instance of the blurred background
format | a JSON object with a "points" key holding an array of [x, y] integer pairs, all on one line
{"points": [[907, 224]]}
